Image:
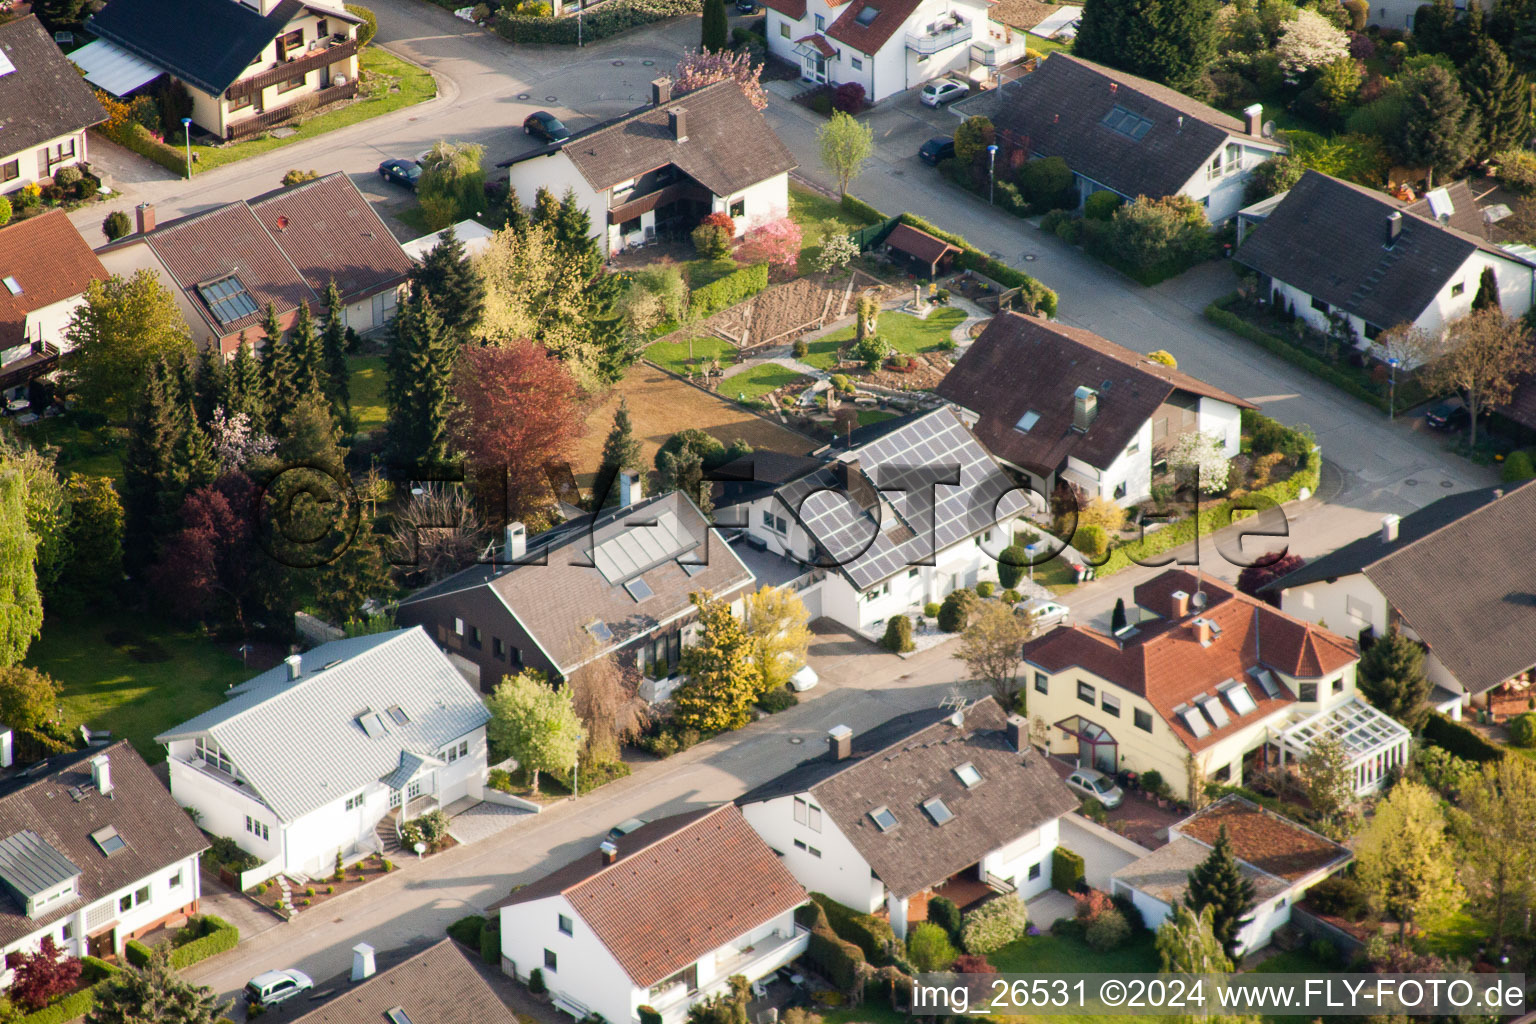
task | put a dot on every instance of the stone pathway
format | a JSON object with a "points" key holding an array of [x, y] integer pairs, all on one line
{"points": [[484, 820], [287, 890]]}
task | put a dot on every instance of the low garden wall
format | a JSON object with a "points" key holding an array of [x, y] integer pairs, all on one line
{"points": [[609, 19]]}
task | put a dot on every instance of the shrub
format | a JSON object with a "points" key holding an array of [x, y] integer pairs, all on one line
{"points": [[841, 384], [721, 219], [1459, 739], [309, 890], [734, 287], [370, 26], [1045, 184], [1359, 11], [490, 943], [5, 212], [871, 350], [898, 635], [848, 97], [986, 588], [296, 176], [778, 699], [1012, 565], [799, 349], [869, 933], [943, 912], [648, 1015], [1010, 597], [1054, 219], [1517, 467], [929, 948], [536, 982], [1516, 170], [955, 612], [931, 610], [136, 953], [1152, 233], [330, 890], [1067, 869], [1109, 931], [837, 960], [1091, 540], [1101, 205], [68, 177], [711, 241], [1152, 782], [466, 930], [1522, 730], [994, 924], [1340, 896], [1070, 231]]}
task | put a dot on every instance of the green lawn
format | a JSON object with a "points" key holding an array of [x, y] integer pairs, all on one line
{"points": [[133, 675], [699, 273], [753, 384], [682, 356], [817, 216], [1046, 46], [907, 335], [367, 388], [95, 451], [1053, 954], [871, 416], [415, 85], [1456, 936]]}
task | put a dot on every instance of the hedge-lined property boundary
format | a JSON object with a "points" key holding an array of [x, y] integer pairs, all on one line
{"points": [[608, 19], [76, 1004], [1456, 738], [838, 960], [722, 293], [216, 935], [872, 935]]}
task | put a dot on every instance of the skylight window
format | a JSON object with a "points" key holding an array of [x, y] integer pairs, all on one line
{"points": [[867, 15], [227, 299], [397, 1015], [968, 774], [1238, 696], [397, 713], [12, 285], [1193, 720], [936, 809], [1027, 422], [1126, 123], [108, 841], [883, 818], [1214, 711], [599, 629], [691, 568], [1267, 680], [639, 589], [372, 724]]}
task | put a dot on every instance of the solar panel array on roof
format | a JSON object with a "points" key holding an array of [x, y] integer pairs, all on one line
{"points": [[640, 545], [227, 299], [30, 865]]}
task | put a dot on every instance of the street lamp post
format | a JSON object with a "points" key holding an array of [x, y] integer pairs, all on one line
{"points": [[186, 134], [1392, 399], [1029, 550], [991, 169]]}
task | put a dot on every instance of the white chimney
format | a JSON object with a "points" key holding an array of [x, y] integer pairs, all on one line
{"points": [[631, 490], [1389, 528], [362, 962], [1180, 603], [5, 747], [840, 742], [295, 666], [101, 774], [515, 543]]}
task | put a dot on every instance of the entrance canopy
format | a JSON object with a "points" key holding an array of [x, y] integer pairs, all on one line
{"points": [[1373, 743], [113, 69]]}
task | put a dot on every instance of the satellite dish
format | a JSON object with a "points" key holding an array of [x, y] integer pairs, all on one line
{"points": [[1199, 599], [1268, 131], [957, 719]]}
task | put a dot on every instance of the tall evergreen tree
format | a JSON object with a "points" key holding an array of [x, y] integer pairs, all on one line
{"points": [[1487, 296], [1439, 127], [21, 604], [1391, 676], [308, 359], [448, 275], [167, 455], [156, 993], [1217, 882], [715, 33], [336, 381], [1434, 27], [279, 382], [513, 215], [1168, 41], [1501, 97], [573, 231], [243, 386], [211, 384], [545, 208], [621, 451], [419, 387], [1513, 26]]}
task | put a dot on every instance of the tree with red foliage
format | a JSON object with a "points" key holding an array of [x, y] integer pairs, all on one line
{"points": [[1269, 567], [848, 97], [205, 568], [777, 242], [721, 219], [972, 963], [518, 410], [42, 977]]}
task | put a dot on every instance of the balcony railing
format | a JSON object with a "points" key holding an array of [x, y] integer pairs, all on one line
{"points": [[290, 111], [993, 53], [634, 206], [765, 956], [332, 49], [943, 39]]}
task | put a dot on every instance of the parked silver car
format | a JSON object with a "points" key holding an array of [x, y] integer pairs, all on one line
{"points": [[270, 988], [1090, 783], [1045, 613]]}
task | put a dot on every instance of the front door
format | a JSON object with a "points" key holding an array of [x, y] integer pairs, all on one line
{"points": [[1096, 748], [102, 946], [815, 68]]}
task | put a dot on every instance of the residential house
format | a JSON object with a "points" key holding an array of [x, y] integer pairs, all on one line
{"points": [[617, 583], [44, 107], [887, 519], [888, 46], [303, 762], [1130, 136], [1333, 250], [1064, 405], [949, 802], [247, 66], [1279, 857], [1209, 682], [225, 265], [93, 852], [1450, 576], [662, 917], [660, 169], [436, 986], [45, 267]]}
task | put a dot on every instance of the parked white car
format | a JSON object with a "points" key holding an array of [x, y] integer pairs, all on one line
{"points": [[804, 679], [1045, 613], [270, 988], [942, 91], [1090, 783]]}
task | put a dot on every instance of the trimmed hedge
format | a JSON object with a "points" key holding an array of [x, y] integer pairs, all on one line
{"points": [[1459, 740], [466, 930], [490, 944], [856, 207], [872, 935], [834, 958], [1067, 869], [136, 953], [217, 936], [609, 19], [76, 1004], [737, 286]]}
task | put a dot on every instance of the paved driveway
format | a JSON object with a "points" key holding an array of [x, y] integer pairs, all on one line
{"points": [[1102, 855]]}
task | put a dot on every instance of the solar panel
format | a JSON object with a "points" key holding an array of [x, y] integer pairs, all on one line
{"points": [[1214, 711], [227, 299], [937, 810], [639, 589], [883, 818]]}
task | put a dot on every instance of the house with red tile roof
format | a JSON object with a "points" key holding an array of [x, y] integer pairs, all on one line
{"points": [[1281, 858], [45, 266], [225, 265], [661, 916], [1206, 678], [888, 46]]}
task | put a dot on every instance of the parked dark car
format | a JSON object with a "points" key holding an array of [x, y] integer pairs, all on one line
{"points": [[935, 150], [748, 6], [401, 172], [1450, 414], [546, 126]]}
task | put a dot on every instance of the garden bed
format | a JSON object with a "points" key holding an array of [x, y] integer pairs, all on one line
{"points": [[317, 891]]}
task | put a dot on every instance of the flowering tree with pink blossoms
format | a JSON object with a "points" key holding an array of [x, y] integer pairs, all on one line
{"points": [[699, 68], [777, 243]]}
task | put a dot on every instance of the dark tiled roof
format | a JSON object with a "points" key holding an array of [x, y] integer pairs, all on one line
{"points": [[556, 601], [789, 8], [1164, 662], [1522, 404], [45, 97], [438, 986], [1060, 111], [1328, 238], [333, 233], [1460, 575], [919, 243], [1466, 215], [1266, 840], [49, 260], [729, 145], [156, 831], [209, 43], [819, 42], [889, 17], [1023, 364], [681, 887]]}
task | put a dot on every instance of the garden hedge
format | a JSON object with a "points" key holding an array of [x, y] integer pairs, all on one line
{"points": [[835, 959], [737, 286], [853, 206], [218, 936], [490, 943], [466, 930], [76, 1004], [609, 19], [872, 935], [136, 953], [1459, 740], [1067, 869]]}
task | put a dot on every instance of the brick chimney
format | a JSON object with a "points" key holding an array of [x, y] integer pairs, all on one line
{"points": [[1203, 632], [661, 91], [1253, 119], [144, 215], [677, 117], [840, 743], [1180, 603], [610, 853]]}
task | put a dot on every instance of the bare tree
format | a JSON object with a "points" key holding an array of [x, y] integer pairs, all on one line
{"points": [[436, 532], [605, 695], [991, 648], [1482, 357]]}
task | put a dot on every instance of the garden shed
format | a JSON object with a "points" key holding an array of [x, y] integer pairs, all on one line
{"points": [[924, 255]]}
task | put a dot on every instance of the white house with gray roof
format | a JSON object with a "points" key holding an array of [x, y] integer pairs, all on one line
{"points": [[306, 759]]}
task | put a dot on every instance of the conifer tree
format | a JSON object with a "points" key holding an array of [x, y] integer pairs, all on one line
{"points": [[1487, 296], [211, 385], [621, 451], [1391, 676], [1218, 883], [573, 231], [163, 461], [513, 214], [1440, 128], [308, 358], [715, 30], [336, 381], [278, 379], [243, 387], [154, 992], [722, 679], [448, 275], [1168, 41], [1501, 97], [546, 208], [420, 383]]}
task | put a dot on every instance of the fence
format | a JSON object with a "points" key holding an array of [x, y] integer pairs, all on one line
{"points": [[315, 631], [261, 873], [872, 235], [1314, 927]]}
